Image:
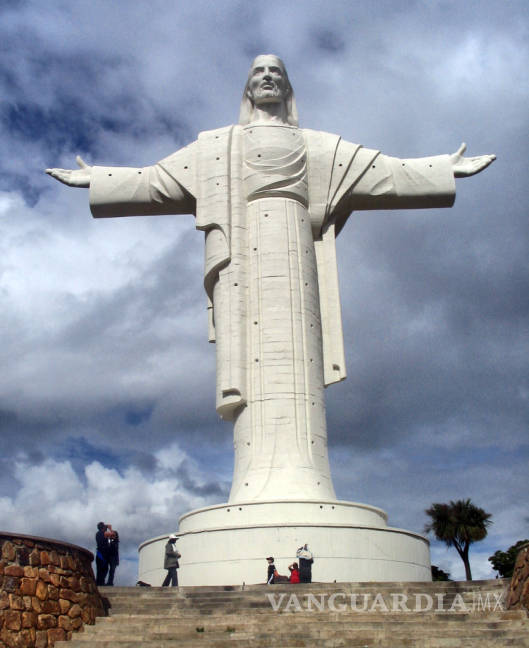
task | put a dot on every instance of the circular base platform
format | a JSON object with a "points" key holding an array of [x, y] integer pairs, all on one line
{"points": [[228, 544]]}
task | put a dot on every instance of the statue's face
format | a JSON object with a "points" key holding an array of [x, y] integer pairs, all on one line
{"points": [[267, 82]]}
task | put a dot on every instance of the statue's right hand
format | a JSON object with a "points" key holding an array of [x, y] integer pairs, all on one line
{"points": [[73, 177]]}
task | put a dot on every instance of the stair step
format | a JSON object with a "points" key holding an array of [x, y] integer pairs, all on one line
{"points": [[317, 617], [217, 617], [316, 637], [288, 642]]}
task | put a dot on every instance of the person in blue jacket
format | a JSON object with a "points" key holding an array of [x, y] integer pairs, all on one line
{"points": [[101, 554]]}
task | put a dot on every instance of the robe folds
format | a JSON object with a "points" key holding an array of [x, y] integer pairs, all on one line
{"points": [[205, 178]]}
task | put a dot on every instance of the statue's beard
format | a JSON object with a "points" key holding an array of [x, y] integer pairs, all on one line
{"points": [[263, 95]]}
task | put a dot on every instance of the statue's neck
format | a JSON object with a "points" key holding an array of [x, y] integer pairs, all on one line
{"points": [[271, 113]]}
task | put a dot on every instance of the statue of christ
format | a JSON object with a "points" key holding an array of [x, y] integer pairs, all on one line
{"points": [[271, 199]]}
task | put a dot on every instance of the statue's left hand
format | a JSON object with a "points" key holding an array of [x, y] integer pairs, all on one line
{"points": [[464, 167], [73, 177]]}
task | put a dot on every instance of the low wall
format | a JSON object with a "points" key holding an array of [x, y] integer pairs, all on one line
{"points": [[518, 597], [47, 591]]}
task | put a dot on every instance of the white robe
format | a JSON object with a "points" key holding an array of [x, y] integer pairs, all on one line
{"points": [[280, 448]]}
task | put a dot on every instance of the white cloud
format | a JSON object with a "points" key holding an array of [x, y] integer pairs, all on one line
{"points": [[54, 501]]}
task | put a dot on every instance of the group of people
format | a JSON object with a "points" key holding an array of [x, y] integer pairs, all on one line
{"points": [[300, 571], [107, 559], [107, 553]]}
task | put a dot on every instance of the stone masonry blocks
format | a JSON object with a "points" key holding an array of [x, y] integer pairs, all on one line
{"points": [[47, 591]]}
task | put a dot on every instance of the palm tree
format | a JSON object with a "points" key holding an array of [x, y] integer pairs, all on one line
{"points": [[458, 524]]}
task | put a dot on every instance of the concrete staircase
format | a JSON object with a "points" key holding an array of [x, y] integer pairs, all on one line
{"points": [[392, 615]]}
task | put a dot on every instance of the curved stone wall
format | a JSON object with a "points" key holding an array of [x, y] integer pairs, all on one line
{"points": [[518, 597], [47, 591]]}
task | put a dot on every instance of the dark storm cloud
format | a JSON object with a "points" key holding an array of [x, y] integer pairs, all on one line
{"points": [[35, 457], [8, 483], [7, 418], [64, 128], [161, 291], [135, 416], [329, 41], [48, 107], [80, 451], [146, 462], [435, 336], [220, 490], [20, 182]]}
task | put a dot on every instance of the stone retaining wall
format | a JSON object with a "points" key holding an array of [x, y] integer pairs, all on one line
{"points": [[518, 597], [47, 591]]}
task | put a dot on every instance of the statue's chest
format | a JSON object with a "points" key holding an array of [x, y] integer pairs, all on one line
{"points": [[274, 163]]}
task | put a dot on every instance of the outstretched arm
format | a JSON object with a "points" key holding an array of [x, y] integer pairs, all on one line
{"points": [[377, 181], [163, 188], [73, 177], [464, 167]]}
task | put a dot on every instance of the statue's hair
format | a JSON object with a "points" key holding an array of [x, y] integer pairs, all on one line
{"points": [[247, 105]]}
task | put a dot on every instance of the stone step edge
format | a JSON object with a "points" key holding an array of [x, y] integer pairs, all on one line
{"points": [[283, 642], [332, 615], [422, 631], [498, 582]]}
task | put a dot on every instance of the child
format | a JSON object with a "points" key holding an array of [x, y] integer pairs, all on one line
{"points": [[294, 573]]}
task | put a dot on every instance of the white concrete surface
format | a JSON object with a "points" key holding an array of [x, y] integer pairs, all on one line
{"points": [[228, 544]]}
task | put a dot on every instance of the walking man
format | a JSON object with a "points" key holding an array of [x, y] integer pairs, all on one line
{"points": [[171, 562]]}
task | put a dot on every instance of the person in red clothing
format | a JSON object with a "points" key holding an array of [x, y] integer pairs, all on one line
{"points": [[294, 573]]}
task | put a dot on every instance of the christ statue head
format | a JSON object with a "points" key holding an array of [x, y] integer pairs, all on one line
{"points": [[268, 84]]}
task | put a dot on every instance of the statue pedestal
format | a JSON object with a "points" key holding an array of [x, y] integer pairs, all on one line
{"points": [[228, 544]]}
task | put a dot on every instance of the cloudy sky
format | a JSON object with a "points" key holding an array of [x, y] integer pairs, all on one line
{"points": [[107, 379]]}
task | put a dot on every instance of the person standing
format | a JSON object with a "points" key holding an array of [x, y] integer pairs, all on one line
{"points": [[171, 562], [113, 555], [270, 574], [101, 554], [305, 557]]}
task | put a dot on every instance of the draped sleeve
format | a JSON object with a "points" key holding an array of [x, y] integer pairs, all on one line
{"points": [[163, 188]]}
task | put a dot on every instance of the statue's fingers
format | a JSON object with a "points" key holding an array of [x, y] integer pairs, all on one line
{"points": [[81, 162], [485, 160], [489, 159], [62, 175], [461, 149], [480, 162]]}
